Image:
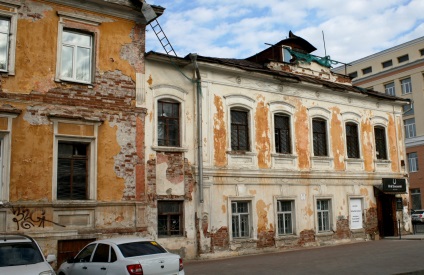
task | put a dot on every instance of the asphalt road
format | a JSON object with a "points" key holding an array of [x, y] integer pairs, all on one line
{"points": [[372, 257]]}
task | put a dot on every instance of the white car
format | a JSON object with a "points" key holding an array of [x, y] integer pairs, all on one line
{"points": [[21, 255], [126, 256]]}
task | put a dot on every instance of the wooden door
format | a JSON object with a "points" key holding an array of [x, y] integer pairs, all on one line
{"points": [[69, 248]]}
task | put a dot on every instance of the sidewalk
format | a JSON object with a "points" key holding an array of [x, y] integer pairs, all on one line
{"points": [[417, 237]]}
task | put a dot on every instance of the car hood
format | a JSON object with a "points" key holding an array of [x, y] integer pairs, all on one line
{"points": [[32, 269]]}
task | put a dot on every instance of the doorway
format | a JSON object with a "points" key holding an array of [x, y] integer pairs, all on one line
{"points": [[386, 213]]}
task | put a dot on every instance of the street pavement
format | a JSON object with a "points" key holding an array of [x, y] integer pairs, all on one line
{"points": [[387, 256]]}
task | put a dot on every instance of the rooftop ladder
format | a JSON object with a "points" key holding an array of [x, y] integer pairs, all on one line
{"points": [[157, 29]]}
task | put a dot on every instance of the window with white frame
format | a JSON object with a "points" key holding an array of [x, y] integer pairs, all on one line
{"points": [[324, 215], [282, 134], [1, 165], [8, 33], [76, 56], [410, 130], [380, 142], [406, 86], [168, 123], [240, 130], [319, 127], [240, 219], [285, 216], [413, 162], [352, 140], [4, 43], [390, 88], [286, 54], [408, 109]]}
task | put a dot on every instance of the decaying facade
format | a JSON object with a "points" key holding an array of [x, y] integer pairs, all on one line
{"points": [[72, 137], [287, 153]]}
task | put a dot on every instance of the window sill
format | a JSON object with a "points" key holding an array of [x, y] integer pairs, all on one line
{"points": [[382, 161], [324, 234], [241, 153], [355, 160], [71, 81], [169, 149], [283, 156], [286, 237]]}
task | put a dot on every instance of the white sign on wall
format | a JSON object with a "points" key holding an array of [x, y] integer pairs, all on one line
{"points": [[355, 213]]}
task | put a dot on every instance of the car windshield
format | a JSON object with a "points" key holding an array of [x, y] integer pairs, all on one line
{"points": [[140, 249], [418, 212], [12, 254]]}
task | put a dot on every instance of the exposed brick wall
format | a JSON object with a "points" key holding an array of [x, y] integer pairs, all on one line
{"points": [[220, 238], [371, 224], [343, 230], [415, 178], [266, 239], [306, 236]]}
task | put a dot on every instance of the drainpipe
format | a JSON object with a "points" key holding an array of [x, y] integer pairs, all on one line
{"points": [[193, 57]]}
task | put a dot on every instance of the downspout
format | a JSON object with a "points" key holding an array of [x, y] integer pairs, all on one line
{"points": [[193, 57]]}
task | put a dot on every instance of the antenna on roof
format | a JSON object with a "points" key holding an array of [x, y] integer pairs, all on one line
{"points": [[323, 39]]}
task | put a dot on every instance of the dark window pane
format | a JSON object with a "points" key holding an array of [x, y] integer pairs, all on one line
{"points": [[387, 63], [170, 218], [380, 142], [72, 171], [239, 131], [168, 124], [352, 142], [140, 248], [319, 137], [282, 134], [101, 255]]}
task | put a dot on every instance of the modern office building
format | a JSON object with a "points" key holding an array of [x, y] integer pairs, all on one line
{"points": [[399, 71]]}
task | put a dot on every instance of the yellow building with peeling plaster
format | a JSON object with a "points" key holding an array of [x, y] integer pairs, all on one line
{"points": [[71, 135], [283, 153]]}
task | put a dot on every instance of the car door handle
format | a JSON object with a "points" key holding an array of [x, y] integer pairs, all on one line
{"points": [[103, 268]]}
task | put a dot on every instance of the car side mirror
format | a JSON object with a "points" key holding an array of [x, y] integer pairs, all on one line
{"points": [[51, 258], [70, 260]]}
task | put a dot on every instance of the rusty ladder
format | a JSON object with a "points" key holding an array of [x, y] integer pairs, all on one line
{"points": [[160, 34]]}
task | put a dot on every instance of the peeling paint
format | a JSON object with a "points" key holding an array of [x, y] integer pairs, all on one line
{"points": [[261, 210], [302, 136], [220, 133], [337, 139], [364, 192], [224, 209], [391, 131], [367, 143], [150, 80], [263, 142]]}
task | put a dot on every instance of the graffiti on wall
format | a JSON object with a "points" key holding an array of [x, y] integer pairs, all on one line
{"points": [[26, 218]]}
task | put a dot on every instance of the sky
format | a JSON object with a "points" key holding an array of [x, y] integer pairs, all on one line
{"points": [[241, 28]]}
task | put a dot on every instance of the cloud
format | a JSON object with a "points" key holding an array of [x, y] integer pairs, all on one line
{"points": [[239, 29]]}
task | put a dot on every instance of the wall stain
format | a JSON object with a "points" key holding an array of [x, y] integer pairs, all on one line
{"points": [[261, 210], [302, 136], [367, 134], [391, 131]]}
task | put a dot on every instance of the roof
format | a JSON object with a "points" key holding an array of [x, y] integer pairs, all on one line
{"points": [[251, 66]]}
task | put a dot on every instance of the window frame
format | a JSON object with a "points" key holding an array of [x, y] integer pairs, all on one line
{"points": [[75, 48], [367, 70], [247, 130], [383, 142], [410, 127], [180, 214], [249, 219], [353, 75], [12, 15], [406, 86], [352, 139], [386, 64], [85, 26], [167, 125], [315, 137], [412, 162], [92, 160], [5, 158], [390, 90], [403, 58], [288, 135], [293, 216], [329, 211]]}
